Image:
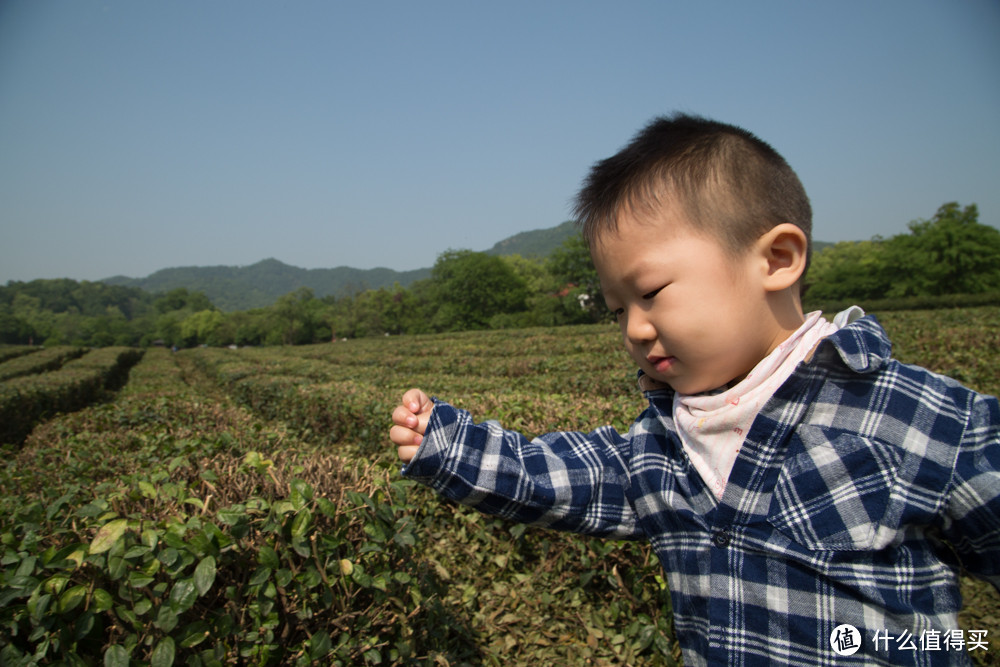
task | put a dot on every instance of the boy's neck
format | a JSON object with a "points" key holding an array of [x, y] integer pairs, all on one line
{"points": [[786, 310], [784, 317]]}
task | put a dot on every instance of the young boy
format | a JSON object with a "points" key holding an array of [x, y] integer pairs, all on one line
{"points": [[792, 477]]}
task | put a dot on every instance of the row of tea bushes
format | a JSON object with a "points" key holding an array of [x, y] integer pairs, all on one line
{"points": [[533, 380], [31, 360], [171, 527], [26, 400], [8, 352]]}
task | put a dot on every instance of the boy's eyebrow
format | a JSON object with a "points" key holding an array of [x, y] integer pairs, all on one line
{"points": [[633, 272]]}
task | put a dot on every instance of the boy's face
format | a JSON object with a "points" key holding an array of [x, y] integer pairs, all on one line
{"points": [[691, 315]]}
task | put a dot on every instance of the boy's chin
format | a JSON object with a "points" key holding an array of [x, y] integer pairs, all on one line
{"points": [[691, 386]]}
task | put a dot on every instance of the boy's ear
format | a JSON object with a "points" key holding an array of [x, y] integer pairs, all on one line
{"points": [[783, 249]]}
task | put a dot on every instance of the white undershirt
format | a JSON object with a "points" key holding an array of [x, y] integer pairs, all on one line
{"points": [[712, 427]]}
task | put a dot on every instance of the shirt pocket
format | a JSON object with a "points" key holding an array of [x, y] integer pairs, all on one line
{"points": [[834, 491]]}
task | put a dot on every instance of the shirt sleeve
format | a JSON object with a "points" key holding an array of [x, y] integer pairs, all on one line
{"points": [[569, 481], [974, 500]]}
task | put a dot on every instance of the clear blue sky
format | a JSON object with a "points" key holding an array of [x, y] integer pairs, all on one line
{"points": [[142, 134]]}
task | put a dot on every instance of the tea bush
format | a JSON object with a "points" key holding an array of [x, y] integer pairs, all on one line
{"points": [[29, 360], [27, 399], [8, 352]]}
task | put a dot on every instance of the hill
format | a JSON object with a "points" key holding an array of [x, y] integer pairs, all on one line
{"points": [[259, 285], [536, 243]]}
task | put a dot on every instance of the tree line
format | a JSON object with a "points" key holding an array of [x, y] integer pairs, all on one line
{"points": [[951, 253], [466, 290]]}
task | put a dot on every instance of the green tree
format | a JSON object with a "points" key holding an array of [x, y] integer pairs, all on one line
{"points": [[472, 287], [173, 309], [13, 329], [182, 299], [848, 270], [573, 269], [247, 327], [298, 319], [203, 327], [952, 253]]}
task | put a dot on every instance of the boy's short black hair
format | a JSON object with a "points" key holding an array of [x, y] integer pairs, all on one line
{"points": [[728, 182]]}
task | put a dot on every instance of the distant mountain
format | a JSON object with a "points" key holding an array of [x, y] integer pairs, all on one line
{"points": [[261, 284], [536, 243], [258, 285]]}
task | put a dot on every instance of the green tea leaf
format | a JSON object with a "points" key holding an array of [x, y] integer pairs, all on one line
{"points": [[204, 575], [106, 537], [327, 508], [232, 515], [117, 566], [38, 605], [163, 654], [116, 656], [139, 580], [283, 507], [136, 552], [301, 523], [69, 557], [301, 494], [268, 557], [72, 598], [319, 645], [261, 575], [59, 503], [184, 593], [55, 584], [168, 556], [194, 634], [101, 601], [150, 538], [283, 577], [166, 619], [127, 615]]}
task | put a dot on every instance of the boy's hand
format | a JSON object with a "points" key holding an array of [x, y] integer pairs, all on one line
{"points": [[409, 422]]}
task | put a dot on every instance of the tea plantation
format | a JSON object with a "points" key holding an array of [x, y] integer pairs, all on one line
{"points": [[217, 506]]}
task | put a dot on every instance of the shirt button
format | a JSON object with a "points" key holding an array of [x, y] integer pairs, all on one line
{"points": [[720, 538]]}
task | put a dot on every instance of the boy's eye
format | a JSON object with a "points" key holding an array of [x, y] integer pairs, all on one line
{"points": [[650, 295], [618, 312]]}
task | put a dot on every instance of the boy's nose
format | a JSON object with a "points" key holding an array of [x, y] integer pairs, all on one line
{"points": [[638, 328]]}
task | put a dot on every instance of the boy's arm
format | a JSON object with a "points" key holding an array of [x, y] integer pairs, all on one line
{"points": [[974, 498], [567, 481]]}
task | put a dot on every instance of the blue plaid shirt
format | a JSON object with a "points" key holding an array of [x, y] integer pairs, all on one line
{"points": [[862, 487]]}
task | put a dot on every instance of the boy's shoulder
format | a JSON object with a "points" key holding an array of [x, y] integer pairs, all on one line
{"points": [[864, 387], [863, 349], [860, 343]]}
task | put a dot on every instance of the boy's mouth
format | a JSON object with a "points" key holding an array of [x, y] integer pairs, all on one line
{"points": [[661, 364]]}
